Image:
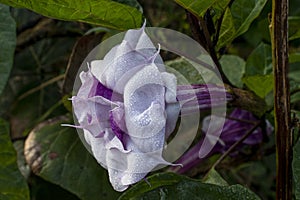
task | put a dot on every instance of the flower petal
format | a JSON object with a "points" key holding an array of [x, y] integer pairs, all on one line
{"points": [[172, 105], [88, 84], [144, 103], [124, 60], [138, 39], [117, 121], [92, 113]]}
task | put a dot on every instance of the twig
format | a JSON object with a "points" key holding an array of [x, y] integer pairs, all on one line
{"points": [[201, 35], [44, 28], [247, 100], [195, 29], [43, 85], [212, 52], [232, 147], [283, 125]]}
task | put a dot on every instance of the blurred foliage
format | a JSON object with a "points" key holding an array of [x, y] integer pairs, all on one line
{"points": [[12, 183], [35, 92], [296, 169], [8, 42]]}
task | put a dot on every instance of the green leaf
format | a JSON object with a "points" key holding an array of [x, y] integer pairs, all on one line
{"points": [[173, 186], [234, 68], [294, 57], [197, 7], [213, 177], [227, 30], [238, 19], [106, 13], [294, 72], [132, 3], [12, 184], [295, 35], [260, 84], [260, 60], [296, 169], [219, 8], [295, 75], [244, 12], [56, 154], [295, 98], [184, 71], [294, 8], [8, 44], [294, 31]]}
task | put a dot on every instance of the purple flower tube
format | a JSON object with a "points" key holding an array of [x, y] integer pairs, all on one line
{"points": [[235, 127]]}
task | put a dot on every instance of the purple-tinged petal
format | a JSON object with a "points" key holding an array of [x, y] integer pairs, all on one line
{"points": [[88, 86], [103, 91], [92, 113], [144, 103], [115, 73], [172, 105], [124, 60], [117, 121]]}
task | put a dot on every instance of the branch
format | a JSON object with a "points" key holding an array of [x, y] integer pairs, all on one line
{"points": [[201, 35], [279, 35], [41, 86], [247, 100], [195, 29], [45, 27]]}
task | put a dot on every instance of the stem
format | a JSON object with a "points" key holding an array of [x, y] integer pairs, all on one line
{"points": [[201, 35], [40, 87], [44, 28], [211, 49], [247, 100], [195, 29], [279, 34]]}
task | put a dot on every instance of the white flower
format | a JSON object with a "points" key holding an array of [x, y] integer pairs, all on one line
{"points": [[125, 106]]}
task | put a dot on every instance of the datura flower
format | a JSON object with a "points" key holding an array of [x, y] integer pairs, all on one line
{"points": [[127, 104], [235, 127]]}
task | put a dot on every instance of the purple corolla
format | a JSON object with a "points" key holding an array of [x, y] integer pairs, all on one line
{"points": [[128, 104], [235, 127]]}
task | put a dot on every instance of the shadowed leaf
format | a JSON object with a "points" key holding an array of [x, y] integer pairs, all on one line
{"points": [[173, 186], [8, 44], [296, 169], [12, 184], [234, 68], [259, 61]]}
